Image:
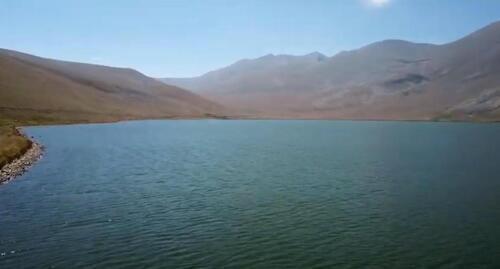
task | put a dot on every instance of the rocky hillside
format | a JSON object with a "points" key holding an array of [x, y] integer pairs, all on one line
{"points": [[391, 79]]}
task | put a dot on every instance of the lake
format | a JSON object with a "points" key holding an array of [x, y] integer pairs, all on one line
{"points": [[257, 194]]}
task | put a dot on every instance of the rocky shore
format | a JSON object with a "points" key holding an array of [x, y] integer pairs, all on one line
{"points": [[21, 164]]}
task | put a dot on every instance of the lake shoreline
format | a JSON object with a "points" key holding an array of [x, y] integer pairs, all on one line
{"points": [[20, 165], [229, 118]]}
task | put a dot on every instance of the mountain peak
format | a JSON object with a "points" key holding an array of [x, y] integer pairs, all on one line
{"points": [[317, 56], [491, 30], [389, 43], [267, 56]]}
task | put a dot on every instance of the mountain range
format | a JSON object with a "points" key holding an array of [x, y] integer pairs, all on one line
{"points": [[387, 80], [391, 79], [39, 90]]}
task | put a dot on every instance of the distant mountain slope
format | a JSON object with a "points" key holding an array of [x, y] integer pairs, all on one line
{"points": [[38, 89], [391, 79]]}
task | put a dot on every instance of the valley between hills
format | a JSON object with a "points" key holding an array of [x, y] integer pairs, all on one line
{"points": [[387, 80]]}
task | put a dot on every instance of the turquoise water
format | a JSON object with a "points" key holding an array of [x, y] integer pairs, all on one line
{"points": [[257, 194]]}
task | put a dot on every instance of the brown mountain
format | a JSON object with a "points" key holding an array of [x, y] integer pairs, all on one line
{"points": [[391, 79], [34, 89]]}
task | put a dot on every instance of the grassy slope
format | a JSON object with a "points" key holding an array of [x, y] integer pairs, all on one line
{"points": [[50, 91], [12, 143]]}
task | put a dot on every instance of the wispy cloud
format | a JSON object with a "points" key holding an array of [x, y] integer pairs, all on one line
{"points": [[377, 3]]}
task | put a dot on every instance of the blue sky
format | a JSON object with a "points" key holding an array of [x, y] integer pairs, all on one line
{"points": [[190, 37]]}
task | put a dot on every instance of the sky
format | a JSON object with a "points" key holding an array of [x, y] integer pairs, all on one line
{"points": [[183, 38]]}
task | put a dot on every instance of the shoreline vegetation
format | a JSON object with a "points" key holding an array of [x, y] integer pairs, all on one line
{"points": [[13, 144], [17, 153], [19, 166]]}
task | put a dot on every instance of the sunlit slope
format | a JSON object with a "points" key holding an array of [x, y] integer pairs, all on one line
{"points": [[38, 89], [391, 79]]}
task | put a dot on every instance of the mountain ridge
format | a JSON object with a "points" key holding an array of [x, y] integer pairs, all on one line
{"points": [[38, 89], [389, 79]]}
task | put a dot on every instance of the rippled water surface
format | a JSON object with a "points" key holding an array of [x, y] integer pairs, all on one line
{"points": [[257, 194]]}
